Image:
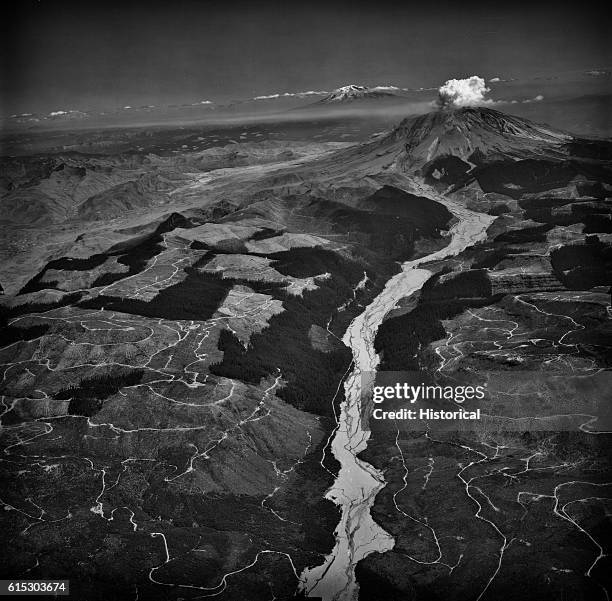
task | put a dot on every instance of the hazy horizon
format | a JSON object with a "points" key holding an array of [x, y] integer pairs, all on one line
{"points": [[64, 55]]}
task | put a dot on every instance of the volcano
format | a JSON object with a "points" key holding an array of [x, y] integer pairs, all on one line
{"points": [[502, 153], [468, 137], [481, 148], [473, 133]]}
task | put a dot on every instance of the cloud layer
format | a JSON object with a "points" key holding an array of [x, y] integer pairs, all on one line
{"points": [[291, 95], [463, 92]]}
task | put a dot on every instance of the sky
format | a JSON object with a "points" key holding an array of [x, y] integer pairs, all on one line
{"points": [[83, 55]]}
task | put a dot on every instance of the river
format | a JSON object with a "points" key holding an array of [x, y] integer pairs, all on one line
{"points": [[358, 482]]}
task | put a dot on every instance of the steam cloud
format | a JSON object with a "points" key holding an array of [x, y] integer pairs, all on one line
{"points": [[463, 92]]}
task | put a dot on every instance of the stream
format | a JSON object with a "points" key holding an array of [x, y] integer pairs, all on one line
{"points": [[358, 482]]}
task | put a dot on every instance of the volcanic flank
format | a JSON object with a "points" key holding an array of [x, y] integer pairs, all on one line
{"points": [[472, 132], [467, 136]]}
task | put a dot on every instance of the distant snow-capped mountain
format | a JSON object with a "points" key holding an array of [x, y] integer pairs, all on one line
{"points": [[355, 92]]}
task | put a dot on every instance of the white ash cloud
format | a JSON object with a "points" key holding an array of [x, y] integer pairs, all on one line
{"points": [[470, 91]]}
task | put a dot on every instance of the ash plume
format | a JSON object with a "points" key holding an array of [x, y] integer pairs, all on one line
{"points": [[456, 93]]}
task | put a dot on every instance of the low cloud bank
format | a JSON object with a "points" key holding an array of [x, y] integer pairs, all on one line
{"points": [[291, 95]]}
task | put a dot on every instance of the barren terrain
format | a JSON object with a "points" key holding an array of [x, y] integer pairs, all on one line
{"points": [[184, 327]]}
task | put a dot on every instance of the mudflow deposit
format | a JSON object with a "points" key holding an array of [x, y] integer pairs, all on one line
{"points": [[189, 319]]}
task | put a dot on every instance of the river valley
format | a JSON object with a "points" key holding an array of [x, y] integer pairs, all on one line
{"points": [[358, 483]]}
